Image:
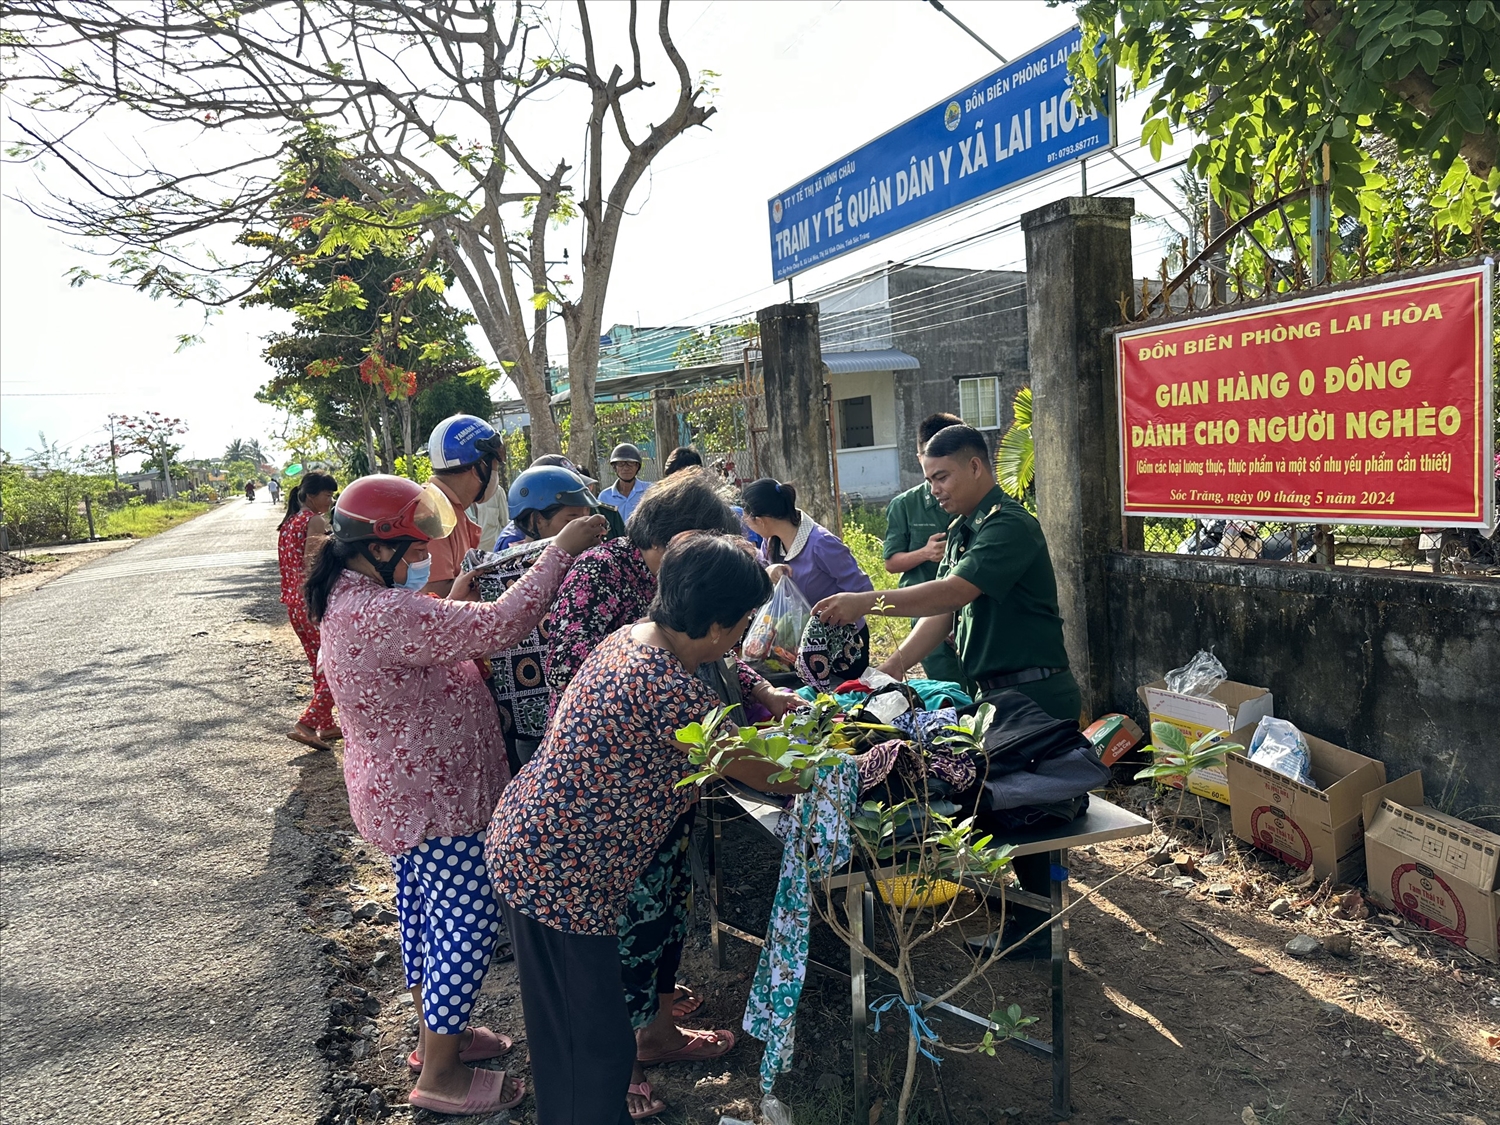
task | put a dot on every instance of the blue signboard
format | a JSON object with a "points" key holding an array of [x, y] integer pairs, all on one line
{"points": [[1009, 126]]}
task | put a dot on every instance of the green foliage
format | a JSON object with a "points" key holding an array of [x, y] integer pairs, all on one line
{"points": [[869, 552], [710, 345], [1015, 458], [42, 495], [1268, 83], [1173, 759], [373, 326], [138, 520]]}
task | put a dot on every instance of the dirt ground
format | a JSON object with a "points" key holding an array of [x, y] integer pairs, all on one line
{"points": [[1184, 1005]]}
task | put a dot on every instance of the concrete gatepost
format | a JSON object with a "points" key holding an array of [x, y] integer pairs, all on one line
{"points": [[797, 439], [1078, 265], [664, 427]]}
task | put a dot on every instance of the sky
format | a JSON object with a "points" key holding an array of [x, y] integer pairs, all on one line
{"points": [[799, 85]]}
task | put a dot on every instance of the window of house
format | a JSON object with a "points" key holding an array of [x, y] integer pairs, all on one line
{"points": [[856, 423], [979, 402]]}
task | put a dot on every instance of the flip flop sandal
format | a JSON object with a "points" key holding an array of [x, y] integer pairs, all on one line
{"points": [[656, 1106], [701, 1046], [331, 734], [300, 733], [486, 1095], [685, 1003], [486, 1044]]}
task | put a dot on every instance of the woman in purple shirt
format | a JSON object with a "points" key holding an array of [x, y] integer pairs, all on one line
{"points": [[795, 544]]}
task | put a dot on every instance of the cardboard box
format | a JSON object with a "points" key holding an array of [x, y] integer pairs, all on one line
{"points": [[1321, 828], [1433, 869], [1230, 706]]}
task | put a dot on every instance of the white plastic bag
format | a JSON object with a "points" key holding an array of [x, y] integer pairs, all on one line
{"points": [[777, 629], [1278, 745], [1199, 676], [774, 1112]]}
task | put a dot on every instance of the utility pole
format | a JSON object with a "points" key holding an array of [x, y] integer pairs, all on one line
{"points": [[1321, 220]]}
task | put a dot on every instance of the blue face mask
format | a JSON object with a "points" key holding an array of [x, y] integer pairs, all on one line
{"points": [[417, 574]]}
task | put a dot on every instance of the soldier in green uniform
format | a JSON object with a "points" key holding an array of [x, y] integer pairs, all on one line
{"points": [[994, 589], [915, 536]]}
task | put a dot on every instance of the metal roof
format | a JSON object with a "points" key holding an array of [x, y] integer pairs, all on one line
{"points": [[674, 378], [882, 359]]}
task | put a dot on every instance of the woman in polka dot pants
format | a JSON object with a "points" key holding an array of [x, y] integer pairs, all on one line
{"points": [[424, 761], [449, 921]]}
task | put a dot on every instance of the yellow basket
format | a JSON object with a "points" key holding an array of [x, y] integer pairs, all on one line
{"points": [[900, 890]]}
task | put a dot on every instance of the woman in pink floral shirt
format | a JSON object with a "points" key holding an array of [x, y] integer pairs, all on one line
{"points": [[423, 757]]}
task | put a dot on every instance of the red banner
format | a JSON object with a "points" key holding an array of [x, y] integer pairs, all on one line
{"points": [[1367, 405]]}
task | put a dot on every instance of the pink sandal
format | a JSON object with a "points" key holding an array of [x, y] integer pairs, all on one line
{"points": [[656, 1105], [486, 1044], [700, 1047], [486, 1095]]}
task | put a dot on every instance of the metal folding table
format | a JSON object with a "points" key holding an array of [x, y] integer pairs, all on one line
{"points": [[1103, 821]]}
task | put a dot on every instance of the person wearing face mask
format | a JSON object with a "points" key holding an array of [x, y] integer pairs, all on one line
{"points": [[298, 538], [423, 758], [465, 452]]}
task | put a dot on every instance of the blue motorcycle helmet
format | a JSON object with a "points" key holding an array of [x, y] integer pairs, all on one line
{"points": [[543, 487]]}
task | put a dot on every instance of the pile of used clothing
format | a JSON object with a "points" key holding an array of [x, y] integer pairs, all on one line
{"points": [[1033, 771]]}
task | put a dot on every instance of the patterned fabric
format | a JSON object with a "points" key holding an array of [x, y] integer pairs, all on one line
{"points": [[654, 924], [876, 764], [319, 713], [582, 820], [291, 551], [830, 654], [423, 755], [516, 680], [924, 726], [815, 843], [449, 920], [609, 586]]}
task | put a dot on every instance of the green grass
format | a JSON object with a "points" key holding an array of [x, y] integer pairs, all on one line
{"points": [[141, 521], [869, 551]]}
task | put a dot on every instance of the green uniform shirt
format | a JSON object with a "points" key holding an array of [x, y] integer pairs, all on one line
{"points": [[911, 519], [1014, 623]]}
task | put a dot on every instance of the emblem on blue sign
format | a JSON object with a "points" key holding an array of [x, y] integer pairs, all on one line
{"points": [[951, 115], [776, 211]]}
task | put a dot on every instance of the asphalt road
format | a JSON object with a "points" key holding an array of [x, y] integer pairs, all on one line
{"points": [[153, 963]]}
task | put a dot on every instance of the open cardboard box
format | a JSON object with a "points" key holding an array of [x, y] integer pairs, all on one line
{"points": [[1318, 827], [1229, 706], [1433, 869]]}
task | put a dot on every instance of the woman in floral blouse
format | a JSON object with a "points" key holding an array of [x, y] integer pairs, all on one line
{"points": [[609, 587], [422, 758], [586, 817]]}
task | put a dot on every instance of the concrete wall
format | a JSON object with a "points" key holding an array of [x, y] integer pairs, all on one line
{"points": [[957, 323], [1400, 667]]}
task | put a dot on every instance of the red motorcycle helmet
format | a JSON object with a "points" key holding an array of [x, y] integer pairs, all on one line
{"points": [[388, 507]]}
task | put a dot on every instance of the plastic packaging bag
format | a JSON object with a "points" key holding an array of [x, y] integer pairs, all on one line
{"points": [[772, 1110], [1199, 676], [777, 628], [1278, 745]]}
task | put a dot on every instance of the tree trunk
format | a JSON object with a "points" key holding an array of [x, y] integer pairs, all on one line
{"points": [[387, 451], [166, 471], [406, 413]]}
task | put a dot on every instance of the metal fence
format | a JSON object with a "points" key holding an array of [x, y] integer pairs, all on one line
{"points": [[1247, 264]]}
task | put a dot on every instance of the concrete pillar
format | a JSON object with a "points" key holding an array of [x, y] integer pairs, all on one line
{"points": [[1078, 265], [664, 425], [797, 440]]}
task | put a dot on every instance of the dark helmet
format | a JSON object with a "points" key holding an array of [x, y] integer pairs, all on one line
{"points": [[625, 452]]}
